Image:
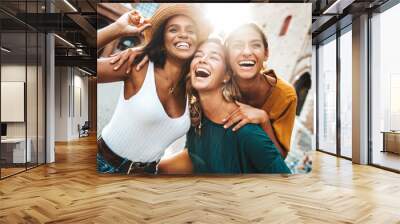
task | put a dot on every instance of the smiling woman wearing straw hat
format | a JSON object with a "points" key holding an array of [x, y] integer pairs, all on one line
{"points": [[152, 111]]}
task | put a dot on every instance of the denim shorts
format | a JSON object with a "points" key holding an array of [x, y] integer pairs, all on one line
{"points": [[104, 167]]}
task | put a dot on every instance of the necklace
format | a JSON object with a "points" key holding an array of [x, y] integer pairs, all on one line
{"points": [[172, 88]]}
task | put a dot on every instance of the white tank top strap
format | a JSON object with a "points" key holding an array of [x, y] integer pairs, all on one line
{"points": [[147, 87], [149, 80]]}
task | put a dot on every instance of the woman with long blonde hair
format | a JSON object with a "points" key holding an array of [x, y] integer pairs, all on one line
{"points": [[210, 148]]}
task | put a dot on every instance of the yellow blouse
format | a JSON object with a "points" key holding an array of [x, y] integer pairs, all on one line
{"points": [[281, 108]]}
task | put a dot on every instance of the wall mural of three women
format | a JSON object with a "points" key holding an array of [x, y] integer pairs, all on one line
{"points": [[198, 99]]}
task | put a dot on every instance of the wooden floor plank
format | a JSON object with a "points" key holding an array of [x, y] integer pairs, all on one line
{"points": [[71, 191]]}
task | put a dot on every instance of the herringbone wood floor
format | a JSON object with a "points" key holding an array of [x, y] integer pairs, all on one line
{"points": [[70, 191]]}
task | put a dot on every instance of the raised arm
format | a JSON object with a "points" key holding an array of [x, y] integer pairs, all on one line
{"points": [[118, 67], [129, 24], [106, 72]]}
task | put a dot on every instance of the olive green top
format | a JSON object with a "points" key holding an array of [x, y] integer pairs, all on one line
{"points": [[220, 150]]}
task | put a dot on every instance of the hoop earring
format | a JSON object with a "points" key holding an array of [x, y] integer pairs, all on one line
{"points": [[193, 99]]}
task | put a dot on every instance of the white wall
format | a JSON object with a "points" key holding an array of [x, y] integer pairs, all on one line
{"points": [[81, 84], [284, 50], [12, 73], [33, 127], [61, 103], [70, 84]]}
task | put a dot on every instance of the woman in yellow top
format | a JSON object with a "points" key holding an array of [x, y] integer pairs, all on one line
{"points": [[270, 101]]}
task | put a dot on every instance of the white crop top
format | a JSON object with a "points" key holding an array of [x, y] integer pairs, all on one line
{"points": [[140, 129]]}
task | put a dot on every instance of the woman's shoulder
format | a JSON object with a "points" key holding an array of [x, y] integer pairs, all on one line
{"points": [[281, 86], [284, 88], [250, 130], [282, 95], [253, 139]]}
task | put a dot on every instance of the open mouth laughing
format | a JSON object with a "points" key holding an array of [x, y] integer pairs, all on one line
{"points": [[247, 64], [182, 45], [202, 73]]}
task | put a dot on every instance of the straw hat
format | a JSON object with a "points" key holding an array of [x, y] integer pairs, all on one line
{"points": [[167, 10]]}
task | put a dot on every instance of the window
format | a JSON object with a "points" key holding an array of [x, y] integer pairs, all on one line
{"points": [[385, 89], [327, 96], [346, 93]]}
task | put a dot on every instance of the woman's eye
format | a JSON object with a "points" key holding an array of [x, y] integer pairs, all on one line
{"points": [[173, 30], [197, 55], [191, 31], [257, 45], [214, 58]]}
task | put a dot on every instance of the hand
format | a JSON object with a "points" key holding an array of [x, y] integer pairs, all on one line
{"points": [[128, 56], [132, 23], [245, 114]]}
